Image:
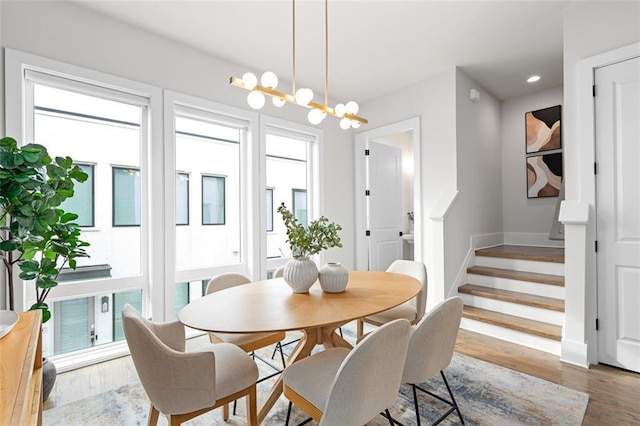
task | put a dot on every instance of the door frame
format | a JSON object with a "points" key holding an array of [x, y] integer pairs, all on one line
{"points": [[361, 139], [586, 193]]}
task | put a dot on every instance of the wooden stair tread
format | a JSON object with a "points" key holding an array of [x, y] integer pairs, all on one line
{"points": [[540, 254], [517, 275], [537, 328], [513, 297]]}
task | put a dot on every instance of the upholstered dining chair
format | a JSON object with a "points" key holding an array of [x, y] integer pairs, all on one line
{"points": [[183, 385], [431, 347], [348, 387], [249, 342], [413, 310]]}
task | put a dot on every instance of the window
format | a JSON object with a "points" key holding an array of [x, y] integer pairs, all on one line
{"points": [[299, 201], [182, 198], [82, 202], [213, 206], [126, 196], [269, 209]]}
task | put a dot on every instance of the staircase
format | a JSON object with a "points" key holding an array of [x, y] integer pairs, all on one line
{"points": [[516, 293]]}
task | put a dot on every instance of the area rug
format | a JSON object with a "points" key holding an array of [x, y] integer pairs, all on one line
{"points": [[487, 395]]}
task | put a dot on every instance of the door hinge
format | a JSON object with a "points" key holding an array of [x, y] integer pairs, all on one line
{"points": [[400, 233], [367, 192], [596, 246], [595, 168], [366, 152], [597, 324], [368, 233], [593, 90]]}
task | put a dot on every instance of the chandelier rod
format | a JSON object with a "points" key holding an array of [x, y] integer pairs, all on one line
{"points": [[326, 53], [293, 15]]}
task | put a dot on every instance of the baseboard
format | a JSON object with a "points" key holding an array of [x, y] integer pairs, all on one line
{"points": [[531, 239], [487, 240], [574, 353]]}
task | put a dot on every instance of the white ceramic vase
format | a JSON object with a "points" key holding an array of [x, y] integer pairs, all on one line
{"points": [[333, 277], [300, 274]]}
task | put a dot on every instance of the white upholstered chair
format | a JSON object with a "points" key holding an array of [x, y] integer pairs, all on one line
{"points": [[249, 342], [413, 310], [183, 385], [430, 351], [350, 387]]}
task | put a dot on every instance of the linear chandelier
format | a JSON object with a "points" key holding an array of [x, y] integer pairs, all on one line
{"points": [[302, 96]]}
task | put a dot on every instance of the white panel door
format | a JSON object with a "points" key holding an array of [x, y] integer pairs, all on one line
{"points": [[384, 171], [618, 212]]}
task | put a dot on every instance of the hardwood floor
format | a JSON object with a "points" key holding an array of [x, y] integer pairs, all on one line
{"points": [[614, 393]]}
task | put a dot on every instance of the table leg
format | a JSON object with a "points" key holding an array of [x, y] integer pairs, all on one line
{"points": [[310, 338], [331, 339]]}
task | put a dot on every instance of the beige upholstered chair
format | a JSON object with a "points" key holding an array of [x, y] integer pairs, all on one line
{"points": [[413, 310], [251, 341], [431, 349], [183, 385], [350, 387]]}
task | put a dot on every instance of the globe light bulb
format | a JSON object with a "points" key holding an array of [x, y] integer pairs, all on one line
{"points": [[352, 107], [304, 96], [256, 100], [355, 124], [278, 102], [340, 109], [315, 116], [345, 123], [249, 80], [269, 79]]}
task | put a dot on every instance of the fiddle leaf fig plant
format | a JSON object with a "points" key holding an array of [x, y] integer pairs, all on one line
{"points": [[307, 241], [36, 235]]}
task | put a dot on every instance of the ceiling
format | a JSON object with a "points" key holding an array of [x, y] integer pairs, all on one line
{"points": [[375, 47]]}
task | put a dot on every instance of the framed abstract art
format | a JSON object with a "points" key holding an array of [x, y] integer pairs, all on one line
{"points": [[543, 130], [544, 175]]}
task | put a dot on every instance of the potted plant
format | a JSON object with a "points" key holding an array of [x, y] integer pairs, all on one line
{"points": [[301, 272], [36, 235]]}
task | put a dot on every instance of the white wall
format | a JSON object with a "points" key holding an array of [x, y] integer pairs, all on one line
{"points": [[589, 29], [3, 290], [72, 34], [478, 207], [522, 214]]}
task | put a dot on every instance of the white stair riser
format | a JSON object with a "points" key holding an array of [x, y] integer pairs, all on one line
{"points": [[521, 265], [514, 336], [515, 309], [547, 290]]}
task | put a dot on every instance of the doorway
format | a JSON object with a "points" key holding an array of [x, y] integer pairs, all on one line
{"points": [[395, 236]]}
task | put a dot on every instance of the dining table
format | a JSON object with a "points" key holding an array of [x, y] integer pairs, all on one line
{"points": [[271, 306]]}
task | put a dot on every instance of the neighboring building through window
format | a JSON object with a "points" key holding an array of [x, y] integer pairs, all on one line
{"points": [[83, 203], [126, 196], [269, 209], [299, 200], [182, 198], [213, 202]]}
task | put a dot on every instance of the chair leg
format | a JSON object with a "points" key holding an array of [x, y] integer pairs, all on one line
{"points": [[278, 345], [153, 416], [453, 400], [415, 404], [252, 410], [286, 423], [225, 412], [359, 328], [389, 417], [284, 363]]}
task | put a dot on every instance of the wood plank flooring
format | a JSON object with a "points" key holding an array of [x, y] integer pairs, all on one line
{"points": [[542, 254], [614, 393]]}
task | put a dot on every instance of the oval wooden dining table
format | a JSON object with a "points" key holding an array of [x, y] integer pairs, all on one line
{"points": [[271, 306]]}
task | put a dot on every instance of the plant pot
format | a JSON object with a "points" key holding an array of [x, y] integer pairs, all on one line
{"points": [[49, 374], [333, 277], [300, 274]]}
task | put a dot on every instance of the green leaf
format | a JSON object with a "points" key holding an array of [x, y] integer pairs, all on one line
{"points": [[30, 266], [9, 245], [46, 282], [8, 143], [46, 315], [67, 217]]}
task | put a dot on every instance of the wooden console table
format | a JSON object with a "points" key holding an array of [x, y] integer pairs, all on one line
{"points": [[21, 372]]}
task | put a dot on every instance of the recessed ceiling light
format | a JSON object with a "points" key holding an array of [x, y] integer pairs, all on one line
{"points": [[533, 79]]}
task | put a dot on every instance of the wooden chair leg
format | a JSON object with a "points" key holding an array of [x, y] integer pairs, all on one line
{"points": [[225, 412], [153, 416], [359, 328], [174, 421], [252, 410]]}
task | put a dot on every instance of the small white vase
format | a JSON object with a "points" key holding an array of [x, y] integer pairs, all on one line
{"points": [[333, 277], [300, 274]]}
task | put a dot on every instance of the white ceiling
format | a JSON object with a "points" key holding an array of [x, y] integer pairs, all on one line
{"points": [[375, 47]]}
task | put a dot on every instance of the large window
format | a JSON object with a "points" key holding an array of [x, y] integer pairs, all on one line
{"points": [[213, 206], [126, 196], [82, 202]]}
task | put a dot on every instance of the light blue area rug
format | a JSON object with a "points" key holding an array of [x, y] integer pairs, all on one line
{"points": [[487, 395]]}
